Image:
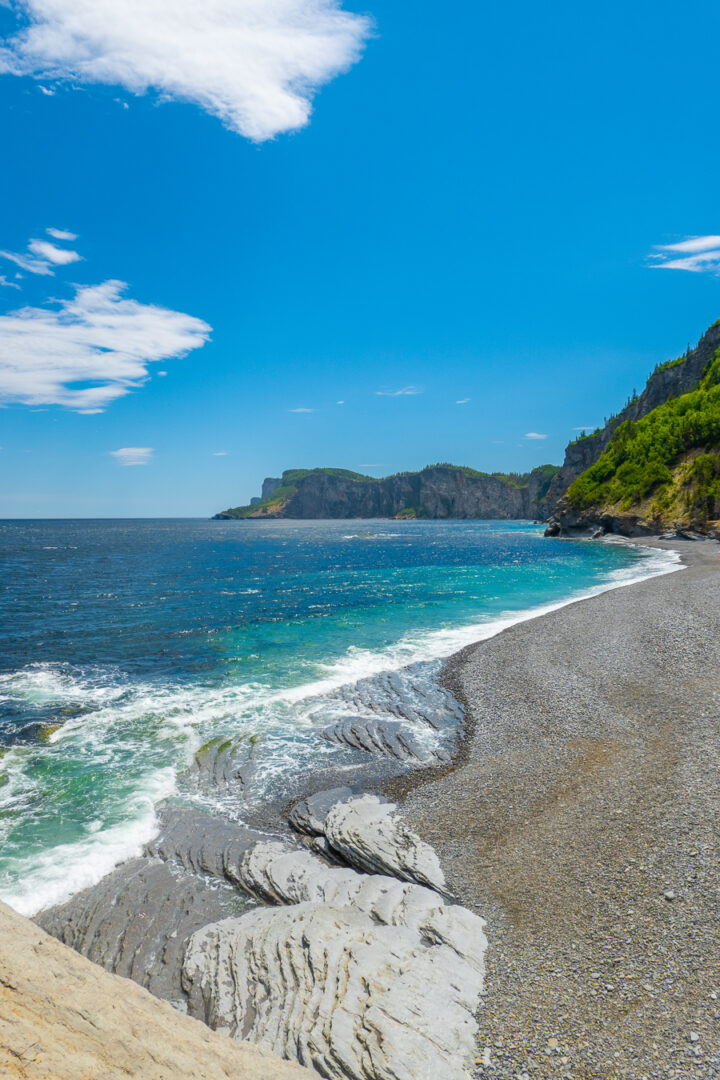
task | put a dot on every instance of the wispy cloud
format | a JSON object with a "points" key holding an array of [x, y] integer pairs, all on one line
{"points": [[698, 254], [86, 352], [585, 427], [462, 401], [8, 284], [534, 435], [405, 392], [339, 402], [254, 64], [301, 410], [52, 253], [28, 263], [133, 455], [220, 453], [61, 234], [41, 255]]}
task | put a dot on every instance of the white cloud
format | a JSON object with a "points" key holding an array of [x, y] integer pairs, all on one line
{"points": [[61, 234], [340, 403], [255, 64], [27, 262], [46, 91], [535, 435], [406, 391], [301, 410], [462, 401], [219, 453], [585, 427], [60, 256], [86, 352], [698, 254], [8, 284], [133, 455]]}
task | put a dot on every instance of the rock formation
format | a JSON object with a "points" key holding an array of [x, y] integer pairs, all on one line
{"points": [[667, 381], [362, 977], [63, 1018], [439, 491]]}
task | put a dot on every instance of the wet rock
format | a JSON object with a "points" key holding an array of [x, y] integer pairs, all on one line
{"points": [[226, 764], [137, 920], [388, 737], [369, 834], [203, 843], [335, 990]]}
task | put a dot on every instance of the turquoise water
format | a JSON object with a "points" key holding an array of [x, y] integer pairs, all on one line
{"points": [[126, 645]]}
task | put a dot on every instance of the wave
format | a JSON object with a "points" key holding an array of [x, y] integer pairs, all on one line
{"points": [[141, 736]]}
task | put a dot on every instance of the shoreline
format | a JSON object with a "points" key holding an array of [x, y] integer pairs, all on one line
{"points": [[585, 795], [440, 804]]}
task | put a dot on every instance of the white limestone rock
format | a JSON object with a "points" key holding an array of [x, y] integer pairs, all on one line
{"points": [[333, 989], [273, 872], [369, 833]]}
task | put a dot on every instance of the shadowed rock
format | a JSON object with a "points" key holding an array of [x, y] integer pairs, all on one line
{"points": [[137, 920], [335, 990], [203, 843], [308, 816]]}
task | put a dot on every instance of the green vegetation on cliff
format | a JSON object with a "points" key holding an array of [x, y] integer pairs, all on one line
{"points": [[281, 495], [667, 463]]}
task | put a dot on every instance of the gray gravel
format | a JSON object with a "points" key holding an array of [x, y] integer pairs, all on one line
{"points": [[584, 825]]}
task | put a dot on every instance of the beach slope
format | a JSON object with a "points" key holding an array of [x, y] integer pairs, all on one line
{"points": [[584, 825]]}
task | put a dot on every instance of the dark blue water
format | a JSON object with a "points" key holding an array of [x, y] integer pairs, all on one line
{"points": [[128, 644]]}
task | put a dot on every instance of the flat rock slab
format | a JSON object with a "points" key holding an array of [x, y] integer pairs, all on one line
{"points": [[64, 1018]]}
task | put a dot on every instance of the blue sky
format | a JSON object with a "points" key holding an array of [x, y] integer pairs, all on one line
{"points": [[469, 214]]}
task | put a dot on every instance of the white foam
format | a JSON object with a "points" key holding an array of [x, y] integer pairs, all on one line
{"points": [[184, 716], [53, 876]]}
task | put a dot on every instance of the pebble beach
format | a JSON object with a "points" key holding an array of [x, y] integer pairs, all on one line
{"points": [[583, 824]]}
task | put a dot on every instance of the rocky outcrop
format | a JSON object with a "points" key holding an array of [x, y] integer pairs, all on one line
{"points": [[64, 1018], [388, 737], [361, 976], [439, 491], [369, 833], [278, 874], [338, 991]]}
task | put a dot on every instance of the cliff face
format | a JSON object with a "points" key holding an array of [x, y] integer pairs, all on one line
{"points": [[669, 380], [656, 464], [436, 492]]}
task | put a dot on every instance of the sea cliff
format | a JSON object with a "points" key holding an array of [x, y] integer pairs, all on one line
{"points": [[438, 491]]}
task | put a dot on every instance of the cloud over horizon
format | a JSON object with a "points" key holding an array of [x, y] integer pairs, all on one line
{"points": [[407, 391], [697, 254], [534, 435], [254, 64], [86, 352], [133, 455]]}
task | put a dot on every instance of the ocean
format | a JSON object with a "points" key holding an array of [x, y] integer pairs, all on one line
{"points": [[129, 645]]}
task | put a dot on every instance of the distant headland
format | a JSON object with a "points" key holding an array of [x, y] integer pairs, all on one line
{"points": [[653, 467]]}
